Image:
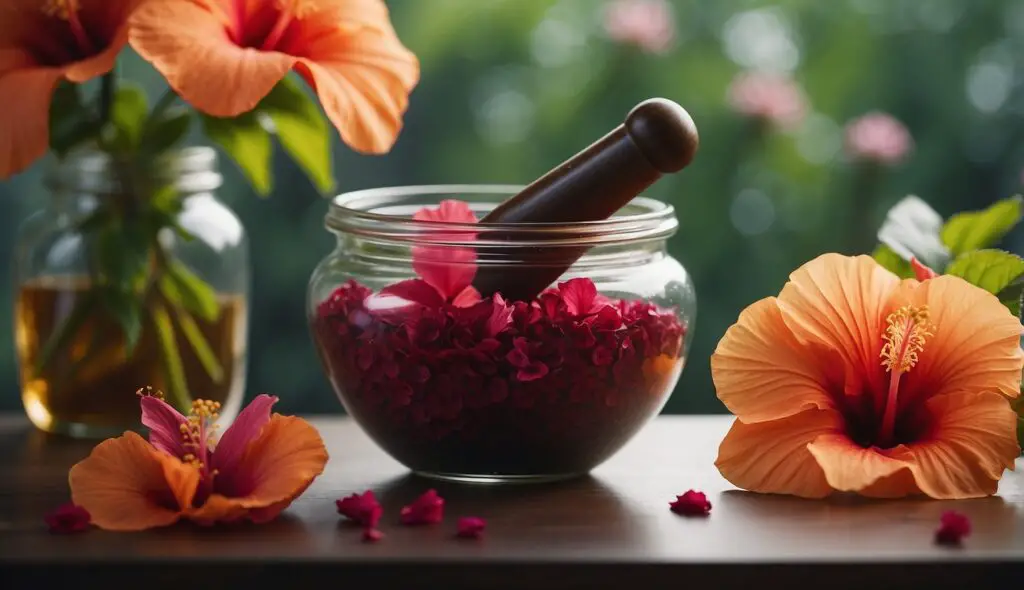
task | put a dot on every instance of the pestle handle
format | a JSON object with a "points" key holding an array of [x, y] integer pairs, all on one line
{"points": [[658, 137]]}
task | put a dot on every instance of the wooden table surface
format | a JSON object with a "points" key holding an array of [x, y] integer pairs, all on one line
{"points": [[612, 529]]}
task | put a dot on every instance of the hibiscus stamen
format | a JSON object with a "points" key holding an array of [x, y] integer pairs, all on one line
{"points": [[67, 10], [197, 433], [905, 334], [290, 10]]}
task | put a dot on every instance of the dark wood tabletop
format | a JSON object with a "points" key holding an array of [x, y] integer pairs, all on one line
{"points": [[612, 529]]}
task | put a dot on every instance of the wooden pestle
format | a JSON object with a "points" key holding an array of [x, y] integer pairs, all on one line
{"points": [[657, 137]]}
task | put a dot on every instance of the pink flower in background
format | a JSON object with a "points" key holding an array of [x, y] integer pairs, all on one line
{"points": [[773, 98], [878, 137], [647, 24]]}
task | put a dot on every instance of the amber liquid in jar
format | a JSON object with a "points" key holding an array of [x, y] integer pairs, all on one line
{"points": [[88, 386]]}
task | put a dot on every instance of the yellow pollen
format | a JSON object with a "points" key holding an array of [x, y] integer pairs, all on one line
{"points": [[148, 391], [62, 9], [905, 333]]}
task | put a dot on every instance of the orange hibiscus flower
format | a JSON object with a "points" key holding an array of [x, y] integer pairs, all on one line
{"points": [[261, 464], [41, 43], [853, 380], [224, 56]]}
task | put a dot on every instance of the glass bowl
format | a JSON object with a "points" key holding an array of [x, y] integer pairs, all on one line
{"points": [[455, 380]]}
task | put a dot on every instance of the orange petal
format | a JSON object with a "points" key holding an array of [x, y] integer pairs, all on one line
{"points": [[975, 345], [841, 303], [772, 458], [849, 467], [973, 442], [275, 469], [761, 372], [361, 72], [187, 42], [217, 508], [25, 117], [110, 18], [127, 485]]}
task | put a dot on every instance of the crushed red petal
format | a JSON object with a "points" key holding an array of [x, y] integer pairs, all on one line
{"points": [[427, 509], [471, 527], [692, 503], [362, 509], [953, 528], [372, 535], [564, 368], [68, 518]]}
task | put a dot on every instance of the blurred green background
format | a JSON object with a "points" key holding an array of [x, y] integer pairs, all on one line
{"points": [[512, 87]]}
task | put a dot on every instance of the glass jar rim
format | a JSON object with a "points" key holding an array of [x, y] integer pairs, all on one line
{"points": [[386, 213], [189, 170]]}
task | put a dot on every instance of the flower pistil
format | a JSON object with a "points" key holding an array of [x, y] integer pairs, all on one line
{"points": [[906, 330], [67, 10]]}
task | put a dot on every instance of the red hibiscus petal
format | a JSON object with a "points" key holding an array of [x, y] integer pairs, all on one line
{"points": [[471, 527], [468, 297], [578, 295], [68, 518], [372, 535], [692, 503], [164, 424], [427, 509], [449, 269], [450, 211], [416, 291], [362, 509], [953, 528]]}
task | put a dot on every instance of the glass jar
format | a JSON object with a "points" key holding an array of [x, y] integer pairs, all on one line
{"points": [[129, 277], [463, 385]]}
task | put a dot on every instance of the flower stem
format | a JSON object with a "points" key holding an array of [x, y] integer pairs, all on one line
{"points": [[108, 87]]}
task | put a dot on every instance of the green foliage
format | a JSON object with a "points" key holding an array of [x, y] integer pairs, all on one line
{"points": [[965, 235], [184, 289], [998, 272], [170, 356], [302, 130], [165, 131], [72, 123], [974, 230], [246, 142], [890, 260], [127, 120]]}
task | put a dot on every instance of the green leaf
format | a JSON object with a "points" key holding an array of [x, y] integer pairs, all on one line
{"points": [[302, 130], [202, 349], [974, 230], [126, 309], [65, 333], [123, 255], [998, 272], [71, 122], [128, 118], [170, 357], [183, 288], [246, 142], [162, 133], [892, 261]]}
